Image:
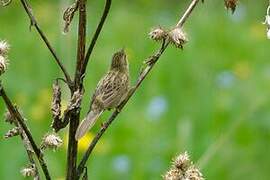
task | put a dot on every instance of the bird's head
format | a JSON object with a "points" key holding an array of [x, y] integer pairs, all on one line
{"points": [[119, 61]]}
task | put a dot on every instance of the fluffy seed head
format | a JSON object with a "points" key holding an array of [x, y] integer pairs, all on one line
{"points": [[173, 174], [29, 171], [8, 117], [158, 34], [51, 141], [13, 132], [177, 37], [268, 34], [193, 174], [231, 4], [3, 64], [182, 161], [4, 48]]}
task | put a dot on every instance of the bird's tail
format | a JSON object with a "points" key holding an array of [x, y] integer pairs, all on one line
{"points": [[87, 123]]}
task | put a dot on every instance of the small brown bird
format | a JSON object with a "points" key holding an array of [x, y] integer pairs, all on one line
{"points": [[110, 92]]}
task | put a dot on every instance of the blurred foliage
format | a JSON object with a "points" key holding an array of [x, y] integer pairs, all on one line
{"points": [[212, 99]]}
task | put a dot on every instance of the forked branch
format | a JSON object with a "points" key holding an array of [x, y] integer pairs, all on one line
{"points": [[151, 61]]}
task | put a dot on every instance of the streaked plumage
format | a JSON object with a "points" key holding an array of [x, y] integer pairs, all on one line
{"points": [[110, 92]]}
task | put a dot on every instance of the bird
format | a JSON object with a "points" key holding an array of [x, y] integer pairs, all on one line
{"points": [[111, 90]]}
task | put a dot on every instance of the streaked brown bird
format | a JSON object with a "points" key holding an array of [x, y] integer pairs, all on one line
{"points": [[109, 93]]}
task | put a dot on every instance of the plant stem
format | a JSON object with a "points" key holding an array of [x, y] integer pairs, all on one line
{"points": [[152, 61], [96, 35], [75, 115], [34, 23], [15, 113]]}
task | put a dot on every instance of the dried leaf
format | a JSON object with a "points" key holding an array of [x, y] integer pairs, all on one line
{"points": [[69, 14]]}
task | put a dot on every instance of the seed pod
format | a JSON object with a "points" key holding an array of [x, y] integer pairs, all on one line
{"points": [[13, 132]]}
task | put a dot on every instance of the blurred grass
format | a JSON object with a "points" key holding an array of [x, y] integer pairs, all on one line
{"points": [[191, 99]]}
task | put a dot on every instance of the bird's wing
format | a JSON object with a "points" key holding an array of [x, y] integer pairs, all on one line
{"points": [[110, 89]]}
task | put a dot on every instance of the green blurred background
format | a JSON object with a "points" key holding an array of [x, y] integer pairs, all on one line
{"points": [[212, 99]]}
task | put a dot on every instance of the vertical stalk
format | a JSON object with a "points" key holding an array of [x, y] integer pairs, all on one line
{"points": [[75, 116]]}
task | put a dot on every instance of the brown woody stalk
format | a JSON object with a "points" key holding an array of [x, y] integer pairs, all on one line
{"points": [[151, 62], [16, 114], [75, 115]]}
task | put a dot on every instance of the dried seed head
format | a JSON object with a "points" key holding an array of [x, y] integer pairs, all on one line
{"points": [[268, 33], [158, 34], [182, 169], [177, 37], [56, 102], [3, 64], [29, 171], [193, 174], [69, 14], [4, 48], [173, 174], [231, 4], [51, 141], [182, 161], [13, 132], [5, 2], [76, 100], [8, 117]]}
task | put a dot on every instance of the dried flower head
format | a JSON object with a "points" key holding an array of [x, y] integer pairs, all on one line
{"points": [[193, 174], [8, 117], [29, 171], [182, 161], [76, 100], [268, 33], [267, 21], [51, 141], [5, 2], [231, 4], [56, 102], [158, 34], [3, 64], [13, 132], [177, 37], [4, 48], [183, 169], [173, 174], [69, 14]]}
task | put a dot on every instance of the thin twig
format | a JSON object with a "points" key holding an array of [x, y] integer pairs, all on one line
{"points": [[34, 23], [96, 35], [75, 115], [16, 114], [151, 62]]}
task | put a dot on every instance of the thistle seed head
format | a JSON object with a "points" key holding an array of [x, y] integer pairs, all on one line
{"points": [[51, 141], [4, 48], [177, 37], [193, 174], [8, 117], [13, 132], [3, 64], [182, 161], [173, 174], [231, 4], [56, 102], [29, 171], [158, 34]]}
